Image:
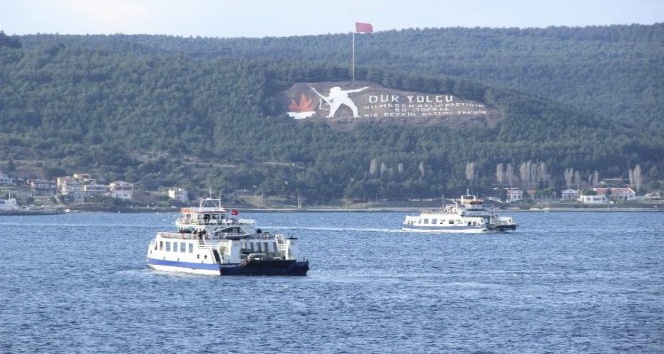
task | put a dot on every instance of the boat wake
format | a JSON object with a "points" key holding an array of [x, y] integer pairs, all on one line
{"points": [[335, 229]]}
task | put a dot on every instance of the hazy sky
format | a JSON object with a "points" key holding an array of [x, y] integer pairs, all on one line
{"points": [[279, 18]]}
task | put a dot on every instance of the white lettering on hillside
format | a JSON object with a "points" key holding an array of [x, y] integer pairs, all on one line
{"points": [[429, 98], [383, 98], [394, 105]]}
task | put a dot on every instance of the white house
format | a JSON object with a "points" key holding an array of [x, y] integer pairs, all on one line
{"points": [[71, 187], [617, 193], [121, 190], [514, 195], [94, 189], [83, 176], [179, 194], [594, 199], [570, 194]]}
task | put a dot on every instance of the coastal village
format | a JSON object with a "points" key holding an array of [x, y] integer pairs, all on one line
{"points": [[82, 191]]}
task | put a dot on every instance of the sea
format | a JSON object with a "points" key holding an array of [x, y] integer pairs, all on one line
{"points": [[564, 282]]}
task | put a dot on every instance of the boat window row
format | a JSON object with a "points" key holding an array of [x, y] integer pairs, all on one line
{"points": [[168, 246], [436, 222], [449, 222], [259, 247]]}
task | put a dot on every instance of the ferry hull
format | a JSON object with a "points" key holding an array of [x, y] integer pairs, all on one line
{"points": [[447, 230], [256, 267], [266, 267], [503, 228], [184, 267]]}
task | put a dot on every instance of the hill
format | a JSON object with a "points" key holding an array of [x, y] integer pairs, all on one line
{"points": [[202, 112]]}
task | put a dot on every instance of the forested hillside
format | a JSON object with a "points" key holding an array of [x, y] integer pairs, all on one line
{"points": [[613, 70], [200, 112]]}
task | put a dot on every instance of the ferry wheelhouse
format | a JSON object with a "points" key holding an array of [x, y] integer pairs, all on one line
{"points": [[209, 241]]}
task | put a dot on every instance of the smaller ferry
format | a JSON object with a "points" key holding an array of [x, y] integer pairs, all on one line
{"points": [[467, 215], [209, 241], [10, 206]]}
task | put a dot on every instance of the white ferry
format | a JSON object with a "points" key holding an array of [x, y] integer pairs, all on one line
{"points": [[9, 205], [209, 241], [468, 215]]}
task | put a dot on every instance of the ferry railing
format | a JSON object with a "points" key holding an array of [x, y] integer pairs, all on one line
{"points": [[220, 236], [222, 222]]}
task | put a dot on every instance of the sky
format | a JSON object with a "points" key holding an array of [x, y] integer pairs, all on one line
{"points": [[283, 18]]}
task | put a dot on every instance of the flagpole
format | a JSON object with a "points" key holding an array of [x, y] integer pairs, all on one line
{"points": [[353, 60]]}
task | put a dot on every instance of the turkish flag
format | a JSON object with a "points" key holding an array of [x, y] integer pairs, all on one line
{"points": [[363, 27]]}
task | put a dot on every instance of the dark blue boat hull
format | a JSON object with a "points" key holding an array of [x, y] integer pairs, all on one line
{"points": [[266, 267], [502, 228]]}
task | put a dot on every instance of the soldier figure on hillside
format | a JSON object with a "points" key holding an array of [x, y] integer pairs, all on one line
{"points": [[338, 97]]}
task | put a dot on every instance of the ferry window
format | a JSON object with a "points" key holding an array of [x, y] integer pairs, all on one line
{"points": [[191, 248], [183, 247], [258, 247], [161, 245], [451, 222], [434, 221], [426, 221], [156, 246], [266, 248], [168, 246]]}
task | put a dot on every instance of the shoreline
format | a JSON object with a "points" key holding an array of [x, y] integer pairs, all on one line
{"points": [[358, 208], [653, 209], [417, 210]]}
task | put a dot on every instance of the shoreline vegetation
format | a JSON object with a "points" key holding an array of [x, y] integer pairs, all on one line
{"points": [[374, 208]]}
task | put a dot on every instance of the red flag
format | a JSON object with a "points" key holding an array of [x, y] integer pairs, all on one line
{"points": [[363, 27]]}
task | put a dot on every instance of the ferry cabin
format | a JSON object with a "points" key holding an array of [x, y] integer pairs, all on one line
{"points": [[436, 222]]}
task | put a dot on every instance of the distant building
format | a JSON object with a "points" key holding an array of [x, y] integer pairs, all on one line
{"points": [[654, 195], [594, 199], [617, 193], [61, 181], [178, 194], [514, 195], [570, 194], [83, 176], [71, 187], [94, 189], [121, 190], [41, 185], [6, 180]]}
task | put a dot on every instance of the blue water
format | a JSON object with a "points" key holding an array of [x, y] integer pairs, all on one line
{"points": [[563, 283]]}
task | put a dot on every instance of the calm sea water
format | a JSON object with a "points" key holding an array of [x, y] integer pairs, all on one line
{"points": [[563, 283]]}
